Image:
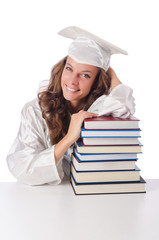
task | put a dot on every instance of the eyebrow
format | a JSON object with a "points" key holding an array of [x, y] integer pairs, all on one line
{"points": [[82, 71]]}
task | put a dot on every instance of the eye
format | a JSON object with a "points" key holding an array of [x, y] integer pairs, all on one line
{"points": [[69, 69], [86, 75]]}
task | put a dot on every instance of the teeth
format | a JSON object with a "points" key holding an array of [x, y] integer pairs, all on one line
{"points": [[70, 89]]}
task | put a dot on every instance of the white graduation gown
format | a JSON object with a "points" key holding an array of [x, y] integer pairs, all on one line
{"points": [[31, 157]]}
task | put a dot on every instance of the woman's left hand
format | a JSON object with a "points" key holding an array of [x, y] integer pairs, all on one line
{"points": [[75, 124], [114, 79], [73, 133]]}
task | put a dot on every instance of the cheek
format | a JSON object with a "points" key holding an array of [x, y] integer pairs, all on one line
{"points": [[63, 78], [90, 84], [87, 87]]}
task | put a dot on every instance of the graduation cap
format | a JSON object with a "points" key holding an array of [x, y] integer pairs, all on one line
{"points": [[88, 48]]}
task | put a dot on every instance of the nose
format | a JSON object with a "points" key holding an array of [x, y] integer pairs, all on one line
{"points": [[74, 79]]}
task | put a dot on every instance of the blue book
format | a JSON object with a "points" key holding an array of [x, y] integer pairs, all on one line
{"points": [[110, 132]]}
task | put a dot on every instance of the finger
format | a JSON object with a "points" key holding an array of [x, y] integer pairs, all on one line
{"points": [[93, 113], [84, 114], [90, 115]]}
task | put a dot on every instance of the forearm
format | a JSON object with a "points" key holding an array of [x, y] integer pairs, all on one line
{"points": [[115, 83], [61, 147], [114, 79], [73, 133], [33, 168]]}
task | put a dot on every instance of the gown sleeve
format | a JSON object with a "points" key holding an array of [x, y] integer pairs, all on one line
{"points": [[119, 103], [30, 159]]}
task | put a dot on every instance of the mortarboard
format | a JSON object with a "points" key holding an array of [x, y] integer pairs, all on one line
{"points": [[88, 48]]}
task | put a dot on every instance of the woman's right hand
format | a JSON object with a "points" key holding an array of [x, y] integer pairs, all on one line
{"points": [[76, 123]]}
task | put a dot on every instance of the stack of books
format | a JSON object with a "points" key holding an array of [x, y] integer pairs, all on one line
{"points": [[104, 159]]}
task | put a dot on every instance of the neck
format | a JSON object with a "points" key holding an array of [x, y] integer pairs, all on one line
{"points": [[75, 109]]}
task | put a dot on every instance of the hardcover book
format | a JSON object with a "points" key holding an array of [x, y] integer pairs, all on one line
{"points": [[104, 156], [105, 176], [81, 148], [104, 122], [108, 188], [110, 141], [102, 165], [110, 132]]}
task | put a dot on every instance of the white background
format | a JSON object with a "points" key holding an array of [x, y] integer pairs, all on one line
{"points": [[30, 46]]}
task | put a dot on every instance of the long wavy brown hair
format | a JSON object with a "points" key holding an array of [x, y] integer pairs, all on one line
{"points": [[56, 110]]}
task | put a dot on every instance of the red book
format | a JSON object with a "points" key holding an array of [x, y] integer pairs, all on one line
{"points": [[109, 122]]}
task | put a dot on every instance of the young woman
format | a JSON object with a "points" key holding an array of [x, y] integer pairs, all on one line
{"points": [[51, 123]]}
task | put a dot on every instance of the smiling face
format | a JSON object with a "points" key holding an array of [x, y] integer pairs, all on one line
{"points": [[77, 80]]}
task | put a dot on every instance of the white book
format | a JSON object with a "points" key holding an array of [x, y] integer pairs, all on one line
{"points": [[109, 122], [81, 148], [102, 165], [105, 176], [109, 188], [110, 141]]}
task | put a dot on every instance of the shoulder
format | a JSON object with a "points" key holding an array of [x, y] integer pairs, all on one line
{"points": [[31, 115], [32, 104], [32, 108]]}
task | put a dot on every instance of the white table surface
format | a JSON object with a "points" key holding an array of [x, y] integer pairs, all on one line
{"points": [[55, 212]]}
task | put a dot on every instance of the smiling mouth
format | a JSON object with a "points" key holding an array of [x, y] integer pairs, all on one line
{"points": [[72, 90]]}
